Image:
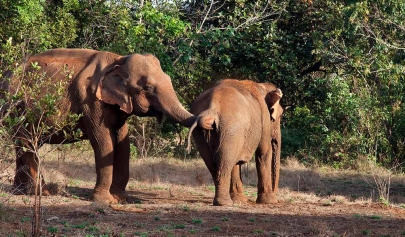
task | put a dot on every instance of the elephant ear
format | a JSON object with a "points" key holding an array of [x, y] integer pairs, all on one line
{"points": [[112, 87], [273, 103]]}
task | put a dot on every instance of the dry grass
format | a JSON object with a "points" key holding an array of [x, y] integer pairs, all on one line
{"points": [[73, 167], [172, 197]]}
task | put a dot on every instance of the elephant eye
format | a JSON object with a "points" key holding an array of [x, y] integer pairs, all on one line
{"points": [[149, 88]]}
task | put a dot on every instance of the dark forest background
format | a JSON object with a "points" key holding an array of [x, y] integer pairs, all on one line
{"points": [[340, 64]]}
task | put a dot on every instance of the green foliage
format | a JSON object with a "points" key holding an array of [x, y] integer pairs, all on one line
{"points": [[52, 229], [359, 43], [133, 151], [197, 221], [340, 64], [38, 102], [36, 25]]}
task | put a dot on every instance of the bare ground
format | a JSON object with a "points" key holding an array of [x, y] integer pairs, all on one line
{"points": [[171, 197]]}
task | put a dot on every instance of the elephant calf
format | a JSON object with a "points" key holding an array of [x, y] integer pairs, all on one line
{"points": [[236, 119]]}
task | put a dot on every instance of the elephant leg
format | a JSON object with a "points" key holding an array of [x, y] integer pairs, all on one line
{"points": [[225, 160], [265, 190], [121, 165], [222, 185], [236, 189], [26, 173], [206, 152], [102, 140]]}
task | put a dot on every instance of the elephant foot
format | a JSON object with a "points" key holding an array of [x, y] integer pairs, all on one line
{"points": [[104, 196], [239, 198], [24, 188], [45, 191], [218, 201], [19, 189], [120, 196], [21, 184], [266, 198]]}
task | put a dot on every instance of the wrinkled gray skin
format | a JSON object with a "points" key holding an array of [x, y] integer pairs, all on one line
{"points": [[237, 119], [106, 89]]}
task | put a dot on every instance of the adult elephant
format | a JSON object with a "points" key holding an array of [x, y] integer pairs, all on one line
{"points": [[235, 120], [105, 89]]}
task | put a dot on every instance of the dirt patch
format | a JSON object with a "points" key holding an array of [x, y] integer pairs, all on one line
{"points": [[170, 197]]}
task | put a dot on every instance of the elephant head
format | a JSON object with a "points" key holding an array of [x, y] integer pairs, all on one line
{"points": [[272, 98], [138, 85]]}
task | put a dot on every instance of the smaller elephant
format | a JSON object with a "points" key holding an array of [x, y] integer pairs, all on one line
{"points": [[235, 120]]}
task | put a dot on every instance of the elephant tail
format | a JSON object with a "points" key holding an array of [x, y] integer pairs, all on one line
{"points": [[205, 120], [188, 149]]}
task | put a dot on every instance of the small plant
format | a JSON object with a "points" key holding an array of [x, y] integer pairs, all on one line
{"points": [[138, 224], [52, 229], [375, 217], [384, 201], [327, 203], [257, 232], [93, 229], [25, 219], [100, 210], [216, 228], [252, 219], [26, 200], [365, 232], [157, 218], [291, 200], [193, 231], [131, 187], [65, 223], [165, 227], [224, 219], [142, 234], [186, 208], [81, 225], [180, 226], [358, 216], [212, 188], [133, 151], [138, 201], [159, 188], [197, 221]]}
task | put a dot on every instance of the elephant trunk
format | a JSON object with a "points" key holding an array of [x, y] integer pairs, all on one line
{"points": [[172, 107]]}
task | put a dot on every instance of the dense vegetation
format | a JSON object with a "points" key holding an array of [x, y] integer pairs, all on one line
{"points": [[340, 64]]}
